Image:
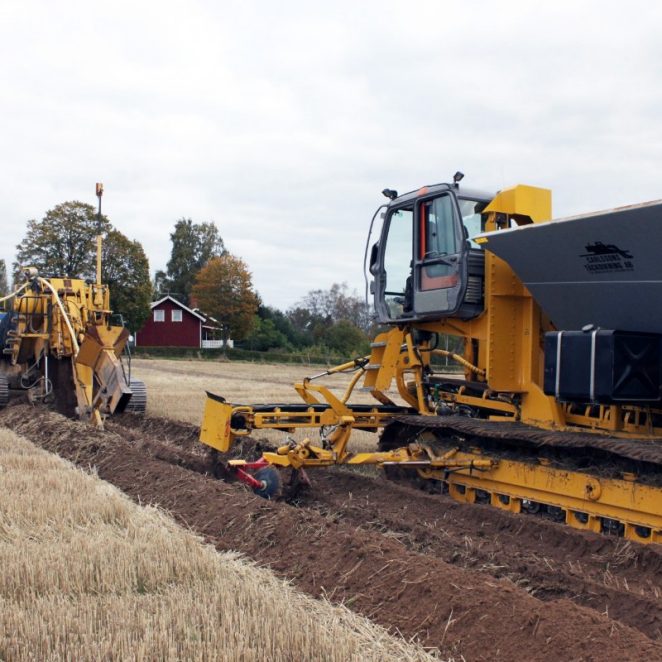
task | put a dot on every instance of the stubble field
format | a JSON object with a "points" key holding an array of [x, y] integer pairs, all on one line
{"points": [[86, 574], [471, 582]]}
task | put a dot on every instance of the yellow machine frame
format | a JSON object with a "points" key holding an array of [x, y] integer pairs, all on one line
{"points": [[509, 336], [69, 319]]}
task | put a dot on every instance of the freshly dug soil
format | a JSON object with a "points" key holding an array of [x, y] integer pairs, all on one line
{"points": [[468, 580]]}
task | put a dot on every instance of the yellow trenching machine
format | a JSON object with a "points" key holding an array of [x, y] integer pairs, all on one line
{"points": [[60, 344], [557, 409]]}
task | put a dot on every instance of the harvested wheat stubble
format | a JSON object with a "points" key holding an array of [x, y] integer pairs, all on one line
{"points": [[87, 574], [461, 611]]}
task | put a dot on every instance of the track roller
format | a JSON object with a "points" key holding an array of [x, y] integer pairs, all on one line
{"points": [[138, 402]]}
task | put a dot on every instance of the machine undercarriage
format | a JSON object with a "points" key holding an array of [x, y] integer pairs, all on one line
{"points": [[590, 481]]}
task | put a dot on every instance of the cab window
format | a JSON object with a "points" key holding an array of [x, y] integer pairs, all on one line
{"points": [[473, 218], [438, 239], [397, 262], [438, 228]]}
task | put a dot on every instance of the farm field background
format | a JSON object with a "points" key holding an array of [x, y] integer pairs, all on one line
{"points": [[176, 389], [465, 581]]}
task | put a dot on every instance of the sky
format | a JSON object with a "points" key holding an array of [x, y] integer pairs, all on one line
{"points": [[282, 122]]}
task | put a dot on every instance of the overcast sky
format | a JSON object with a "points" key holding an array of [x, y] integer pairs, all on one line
{"points": [[282, 122]]}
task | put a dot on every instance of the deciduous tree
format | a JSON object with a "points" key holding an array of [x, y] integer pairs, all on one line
{"points": [[337, 304], [265, 336], [224, 290], [3, 279], [309, 327], [125, 269], [193, 245], [346, 339], [282, 324], [160, 283], [63, 242]]}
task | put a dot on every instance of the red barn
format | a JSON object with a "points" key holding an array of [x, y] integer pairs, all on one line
{"points": [[172, 324]]}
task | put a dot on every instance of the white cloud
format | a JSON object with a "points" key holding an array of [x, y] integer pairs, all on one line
{"points": [[283, 122]]}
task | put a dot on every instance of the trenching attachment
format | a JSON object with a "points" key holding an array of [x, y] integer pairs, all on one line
{"points": [[137, 404], [100, 383], [4, 392], [298, 483]]}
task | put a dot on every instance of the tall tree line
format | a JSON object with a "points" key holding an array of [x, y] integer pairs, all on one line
{"points": [[332, 319], [203, 274], [63, 243], [200, 272], [193, 246]]}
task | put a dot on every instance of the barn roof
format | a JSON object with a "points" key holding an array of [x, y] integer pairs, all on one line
{"points": [[180, 304]]}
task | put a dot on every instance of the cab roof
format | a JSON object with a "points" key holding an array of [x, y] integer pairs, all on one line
{"points": [[460, 191]]}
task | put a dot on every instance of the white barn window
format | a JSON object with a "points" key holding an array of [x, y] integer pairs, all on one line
{"points": [[159, 315], [176, 316]]}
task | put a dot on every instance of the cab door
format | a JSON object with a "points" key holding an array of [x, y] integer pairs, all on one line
{"points": [[391, 265], [440, 263]]}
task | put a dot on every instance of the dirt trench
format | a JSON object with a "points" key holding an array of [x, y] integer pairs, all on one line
{"points": [[467, 580]]}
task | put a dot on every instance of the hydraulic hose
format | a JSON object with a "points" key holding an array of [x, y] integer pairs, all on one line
{"points": [[13, 294], [459, 359], [72, 333]]}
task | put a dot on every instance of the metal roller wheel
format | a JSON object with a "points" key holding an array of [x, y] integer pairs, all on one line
{"points": [[4, 392], [270, 477], [138, 402]]}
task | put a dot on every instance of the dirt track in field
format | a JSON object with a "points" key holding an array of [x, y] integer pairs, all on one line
{"points": [[469, 580]]}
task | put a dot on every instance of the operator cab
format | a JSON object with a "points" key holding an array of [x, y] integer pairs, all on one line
{"points": [[425, 265]]}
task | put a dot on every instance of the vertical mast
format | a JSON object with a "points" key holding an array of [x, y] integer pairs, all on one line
{"points": [[99, 191]]}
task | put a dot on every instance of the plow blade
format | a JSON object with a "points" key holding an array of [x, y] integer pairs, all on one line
{"points": [[215, 430]]}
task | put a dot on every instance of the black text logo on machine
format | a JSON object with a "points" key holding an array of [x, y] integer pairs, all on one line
{"points": [[601, 257]]}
